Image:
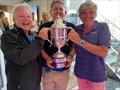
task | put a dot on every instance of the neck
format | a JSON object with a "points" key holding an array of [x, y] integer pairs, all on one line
{"points": [[87, 28], [26, 33]]}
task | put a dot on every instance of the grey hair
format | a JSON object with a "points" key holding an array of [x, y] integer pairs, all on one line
{"points": [[16, 6], [57, 1], [86, 4]]}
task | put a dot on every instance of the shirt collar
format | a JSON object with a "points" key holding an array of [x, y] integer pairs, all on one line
{"points": [[93, 29]]}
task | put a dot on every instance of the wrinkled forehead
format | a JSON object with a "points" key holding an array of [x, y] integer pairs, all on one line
{"points": [[22, 10], [89, 7], [86, 8], [58, 5]]}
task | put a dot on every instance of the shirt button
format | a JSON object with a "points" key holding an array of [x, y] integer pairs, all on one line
{"points": [[18, 86]]}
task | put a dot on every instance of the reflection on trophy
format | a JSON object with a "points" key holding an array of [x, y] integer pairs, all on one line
{"points": [[58, 39]]}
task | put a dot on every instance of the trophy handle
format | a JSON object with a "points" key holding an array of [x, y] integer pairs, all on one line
{"points": [[49, 39], [50, 42], [68, 30]]}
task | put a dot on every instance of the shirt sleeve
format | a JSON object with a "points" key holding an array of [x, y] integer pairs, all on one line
{"points": [[104, 35]]}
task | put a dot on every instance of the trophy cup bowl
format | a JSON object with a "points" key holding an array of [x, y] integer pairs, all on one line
{"points": [[58, 38]]}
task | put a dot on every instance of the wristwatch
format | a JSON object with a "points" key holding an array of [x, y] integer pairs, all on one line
{"points": [[82, 43]]}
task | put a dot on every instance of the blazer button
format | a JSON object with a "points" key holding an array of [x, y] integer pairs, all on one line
{"points": [[18, 86]]}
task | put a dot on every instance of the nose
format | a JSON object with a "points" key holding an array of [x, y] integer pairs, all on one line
{"points": [[27, 17], [58, 10]]}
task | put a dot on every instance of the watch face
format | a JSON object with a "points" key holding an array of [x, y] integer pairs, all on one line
{"points": [[82, 42]]}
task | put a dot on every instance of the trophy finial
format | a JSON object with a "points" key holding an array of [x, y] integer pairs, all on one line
{"points": [[59, 22]]}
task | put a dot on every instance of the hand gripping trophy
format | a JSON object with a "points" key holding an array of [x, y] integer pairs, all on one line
{"points": [[58, 39]]}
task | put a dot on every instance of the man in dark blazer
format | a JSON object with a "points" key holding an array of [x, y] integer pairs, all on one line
{"points": [[22, 50]]}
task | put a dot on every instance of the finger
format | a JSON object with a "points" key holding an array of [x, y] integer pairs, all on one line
{"points": [[67, 64], [49, 29], [70, 28], [50, 65]]}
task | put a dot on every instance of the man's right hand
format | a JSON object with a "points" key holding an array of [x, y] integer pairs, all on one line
{"points": [[74, 37], [43, 33], [50, 62]]}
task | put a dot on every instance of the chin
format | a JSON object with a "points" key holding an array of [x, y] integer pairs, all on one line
{"points": [[26, 29]]}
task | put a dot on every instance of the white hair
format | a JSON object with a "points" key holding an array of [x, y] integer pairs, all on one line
{"points": [[16, 6]]}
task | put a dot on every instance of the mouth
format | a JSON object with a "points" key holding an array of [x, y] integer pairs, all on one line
{"points": [[26, 23]]}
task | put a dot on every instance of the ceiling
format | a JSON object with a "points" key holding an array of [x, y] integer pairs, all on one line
{"points": [[12, 2]]}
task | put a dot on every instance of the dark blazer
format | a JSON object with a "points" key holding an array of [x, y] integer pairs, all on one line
{"points": [[23, 67]]}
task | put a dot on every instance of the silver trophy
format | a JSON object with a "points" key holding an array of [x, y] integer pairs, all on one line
{"points": [[58, 38]]}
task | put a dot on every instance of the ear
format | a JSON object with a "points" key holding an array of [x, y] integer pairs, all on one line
{"points": [[13, 19], [65, 13], [79, 16], [50, 13], [95, 15]]}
